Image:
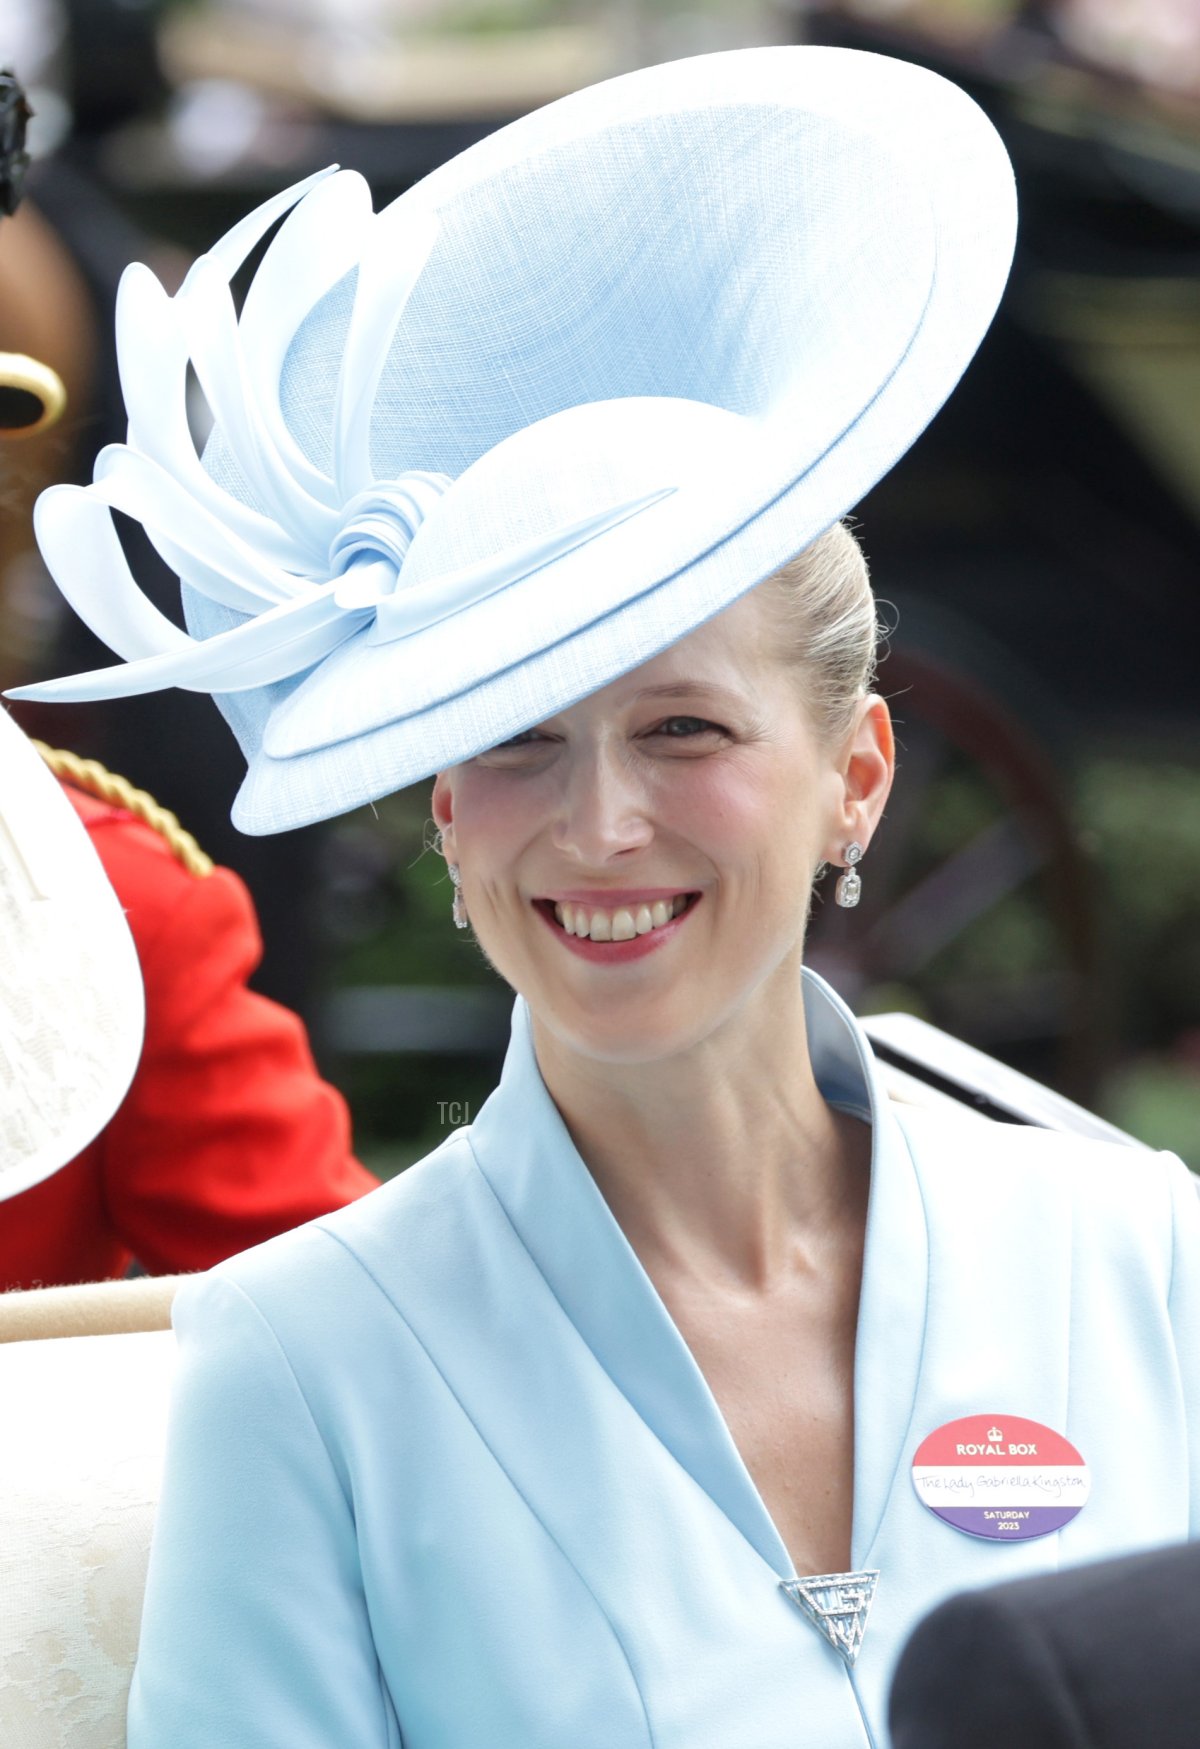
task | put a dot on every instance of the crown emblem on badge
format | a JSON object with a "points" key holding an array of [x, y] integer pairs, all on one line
{"points": [[995, 1435]]}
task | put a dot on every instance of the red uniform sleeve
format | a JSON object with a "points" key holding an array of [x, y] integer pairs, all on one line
{"points": [[228, 1134]]}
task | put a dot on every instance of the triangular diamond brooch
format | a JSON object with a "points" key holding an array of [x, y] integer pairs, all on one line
{"points": [[837, 1605]]}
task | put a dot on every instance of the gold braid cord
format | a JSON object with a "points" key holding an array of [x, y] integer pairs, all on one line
{"points": [[97, 780]]}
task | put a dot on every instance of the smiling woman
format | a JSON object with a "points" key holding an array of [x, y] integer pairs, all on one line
{"points": [[593, 1428]]}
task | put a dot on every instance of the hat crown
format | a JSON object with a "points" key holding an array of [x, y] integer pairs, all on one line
{"points": [[683, 255]]}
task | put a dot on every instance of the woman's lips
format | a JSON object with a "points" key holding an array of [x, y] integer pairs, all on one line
{"points": [[628, 927]]}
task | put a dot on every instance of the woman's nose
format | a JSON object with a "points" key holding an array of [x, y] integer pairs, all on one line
{"points": [[602, 812]]}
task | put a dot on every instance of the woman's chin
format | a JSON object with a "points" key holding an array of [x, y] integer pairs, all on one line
{"points": [[629, 1030], [645, 1011]]}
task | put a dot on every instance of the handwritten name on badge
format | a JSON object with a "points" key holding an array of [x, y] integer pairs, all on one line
{"points": [[1002, 1477]]}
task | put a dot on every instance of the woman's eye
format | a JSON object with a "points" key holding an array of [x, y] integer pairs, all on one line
{"points": [[683, 728], [517, 748]]}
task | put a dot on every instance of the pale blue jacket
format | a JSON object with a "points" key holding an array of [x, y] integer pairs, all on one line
{"points": [[442, 1472]]}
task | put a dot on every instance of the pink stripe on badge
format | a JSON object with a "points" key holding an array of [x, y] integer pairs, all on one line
{"points": [[1000, 1476]]}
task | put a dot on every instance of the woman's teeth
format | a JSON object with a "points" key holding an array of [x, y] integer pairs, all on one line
{"points": [[622, 924]]}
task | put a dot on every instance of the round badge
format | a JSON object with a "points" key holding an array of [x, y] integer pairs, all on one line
{"points": [[1001, 1477]]}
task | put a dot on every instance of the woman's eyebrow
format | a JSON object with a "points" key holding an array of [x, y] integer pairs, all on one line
{"points": [[690, 689]]}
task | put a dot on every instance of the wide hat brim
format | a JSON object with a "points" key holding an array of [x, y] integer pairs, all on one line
{"points": [[71, 1003], [725, 294]]}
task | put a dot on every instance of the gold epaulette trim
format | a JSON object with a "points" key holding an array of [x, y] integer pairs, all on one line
{"points": [[97, 780]]}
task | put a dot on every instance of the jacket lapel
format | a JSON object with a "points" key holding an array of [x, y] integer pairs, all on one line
{"points": [[528, 1158], [892, 1300]]}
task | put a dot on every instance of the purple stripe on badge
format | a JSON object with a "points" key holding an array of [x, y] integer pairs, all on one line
{"points": [[1007, 1524]]}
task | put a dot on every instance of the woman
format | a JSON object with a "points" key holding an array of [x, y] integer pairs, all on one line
{"points": [[595, 1427]]}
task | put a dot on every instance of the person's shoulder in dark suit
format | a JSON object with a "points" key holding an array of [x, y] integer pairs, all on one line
{"points": [[1105, 1656]]}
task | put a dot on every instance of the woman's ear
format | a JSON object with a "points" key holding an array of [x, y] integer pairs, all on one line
{"points": [[442, 806], [868, 765]]}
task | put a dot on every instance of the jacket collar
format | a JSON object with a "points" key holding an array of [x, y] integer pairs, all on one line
{"points": [[527, 1156]]}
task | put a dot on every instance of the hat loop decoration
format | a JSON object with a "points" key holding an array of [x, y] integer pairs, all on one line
{"points": [[312, 567], [270, 560], [379, 524], [479, 454]]}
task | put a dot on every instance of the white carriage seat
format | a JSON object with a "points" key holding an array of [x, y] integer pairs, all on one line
{"points": [[84, 1420]]}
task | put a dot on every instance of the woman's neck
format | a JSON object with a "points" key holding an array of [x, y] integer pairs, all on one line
{"points": [[722, 1163]]}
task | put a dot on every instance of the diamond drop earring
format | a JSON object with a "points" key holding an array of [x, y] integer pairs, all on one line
{"points": [[459, 909], [849, 888]]}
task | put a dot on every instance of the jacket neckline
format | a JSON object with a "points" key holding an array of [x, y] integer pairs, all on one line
{"points": [[526, 1154]]}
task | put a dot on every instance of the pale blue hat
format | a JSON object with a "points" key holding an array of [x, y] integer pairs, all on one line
{"points": [[573, 394]]}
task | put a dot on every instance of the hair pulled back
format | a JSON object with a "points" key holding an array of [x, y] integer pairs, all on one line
{"points": [[829, 626]]}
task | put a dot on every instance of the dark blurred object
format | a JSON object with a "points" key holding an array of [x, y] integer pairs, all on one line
{"points": [[45, 329], [114, 71], [1097, 1657], [14, 159]]}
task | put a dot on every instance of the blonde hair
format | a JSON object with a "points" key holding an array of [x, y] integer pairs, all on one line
{"points": [[829, 625]]}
